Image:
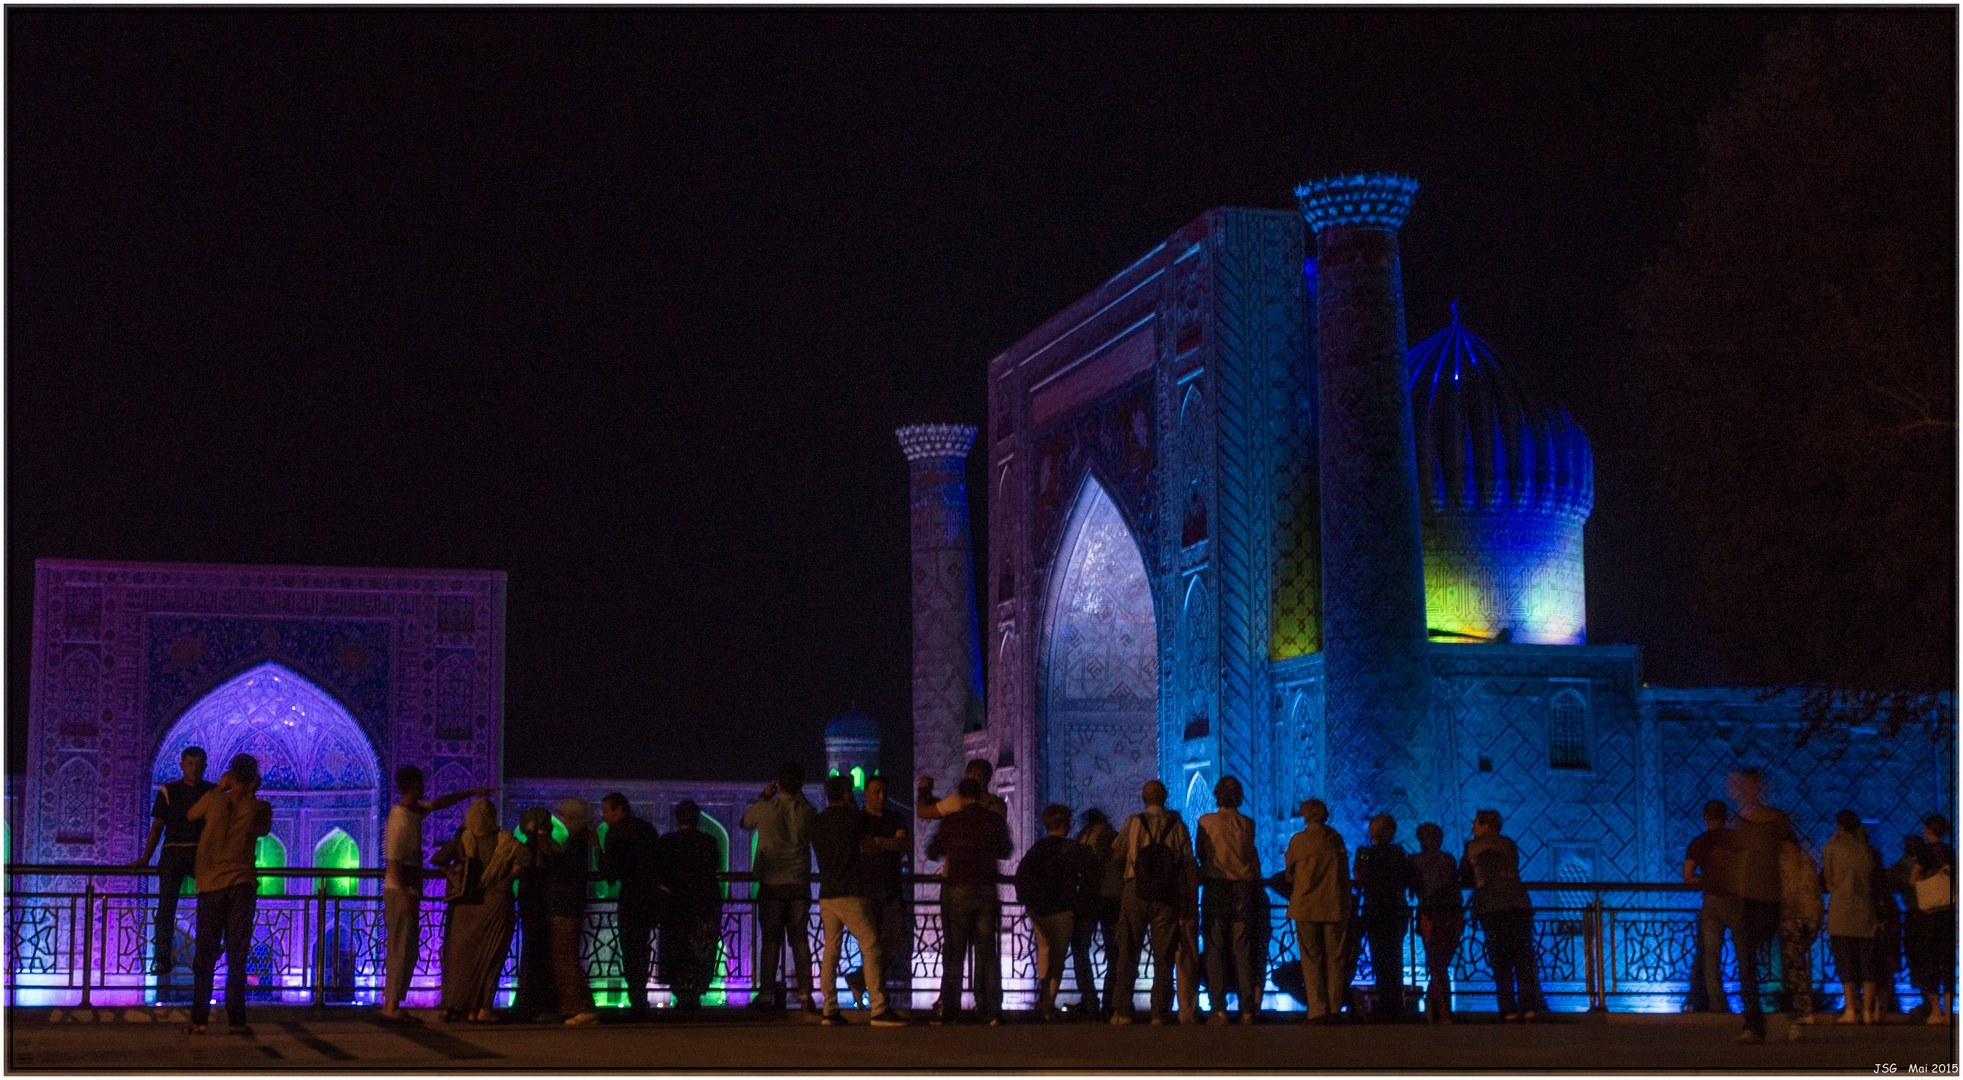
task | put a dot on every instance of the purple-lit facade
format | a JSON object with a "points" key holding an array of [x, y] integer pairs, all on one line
{"points": [[332, 678]]}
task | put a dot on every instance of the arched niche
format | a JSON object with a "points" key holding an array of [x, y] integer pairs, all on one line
{"points": [[1100, 662], [318, 769]]}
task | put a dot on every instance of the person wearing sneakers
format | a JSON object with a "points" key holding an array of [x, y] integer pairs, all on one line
{"points": [[234, 819], [1052, 882], [836, 839], [1232, 908]]}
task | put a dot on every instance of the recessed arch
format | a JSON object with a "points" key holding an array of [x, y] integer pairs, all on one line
{"points": [[1099, 661]]}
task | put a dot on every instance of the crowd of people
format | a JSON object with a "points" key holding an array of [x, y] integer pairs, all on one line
{"points": [[1153, 882], [1761, 883]]}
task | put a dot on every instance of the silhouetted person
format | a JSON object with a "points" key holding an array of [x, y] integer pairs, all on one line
{"points": [[170, 823], [1851, 870], [402, 883], [690, 911], [1053, 880], [1100, 916], [627, 857], [836, 839], [1506, 914], [1383, 875], [1441, 918], [536, 996], [1317, 868], [477, 932], [1233, 907], [782, 818], [882, 862], [1935, 919], [568, 876], [1160, 899], [1710, 864], [973, 840], [228, 887], [1800, 915], [1760, 830]]}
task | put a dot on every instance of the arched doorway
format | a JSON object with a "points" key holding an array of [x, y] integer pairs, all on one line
{"points": [[1100, 663], [319, 770]]}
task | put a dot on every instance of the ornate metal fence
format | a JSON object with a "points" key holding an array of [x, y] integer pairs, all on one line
{"points": [[81, 935]]}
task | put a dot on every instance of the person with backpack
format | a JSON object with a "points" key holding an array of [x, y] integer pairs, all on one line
{"points": [[1161, 883], [1317, 869], [1053, 880]]}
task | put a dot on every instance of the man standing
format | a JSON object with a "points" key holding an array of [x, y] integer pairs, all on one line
{"points": [[1708, 865], [233, 819], [1441, 917], [1317, 866], [402, 883], [1160, 885], [170, 822], [836, 839], [1231, 902], [782, 818], [1053, 880], [882, 861], [1383, 875], [1491, 865], [1100, 915], [974, 841], [1760, 832], [627, 858]]}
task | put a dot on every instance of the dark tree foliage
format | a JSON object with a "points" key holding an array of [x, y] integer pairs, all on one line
{"points": [[1795, 351]]}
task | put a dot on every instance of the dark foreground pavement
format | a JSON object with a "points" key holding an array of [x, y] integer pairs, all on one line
{"points": [[343, 1041]]}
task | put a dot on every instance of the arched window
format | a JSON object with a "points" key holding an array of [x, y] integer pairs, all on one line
{"points": [[1567, 731], [338, 851], [269, 852]]}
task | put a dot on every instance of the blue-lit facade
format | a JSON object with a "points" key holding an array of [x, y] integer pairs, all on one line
{"points": [[1173, 480]]}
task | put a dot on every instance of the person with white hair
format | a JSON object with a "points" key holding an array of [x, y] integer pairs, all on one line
{"points": [[1232, 907]]}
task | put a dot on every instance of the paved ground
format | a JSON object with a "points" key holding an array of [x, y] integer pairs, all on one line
{"points": [[345, 1041]]}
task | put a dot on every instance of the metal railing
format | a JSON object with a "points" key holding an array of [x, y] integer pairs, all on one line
{"points": [[82, 935]]}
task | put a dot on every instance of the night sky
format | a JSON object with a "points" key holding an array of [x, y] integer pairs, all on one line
{"points": [[627, 303]]}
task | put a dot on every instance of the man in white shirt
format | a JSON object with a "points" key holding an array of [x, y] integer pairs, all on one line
{"points": [[1230, 902], [929, 808], [782, 818], [402, 883]]}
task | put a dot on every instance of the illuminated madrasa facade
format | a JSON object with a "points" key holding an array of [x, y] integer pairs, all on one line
{"points": [[1238, 526]]}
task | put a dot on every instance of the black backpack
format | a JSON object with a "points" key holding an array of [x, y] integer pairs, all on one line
{"points": [[1155, 872]]}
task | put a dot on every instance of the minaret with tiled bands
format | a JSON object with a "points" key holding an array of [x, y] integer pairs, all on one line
{"points": [[947, 676], [1372, 547]]}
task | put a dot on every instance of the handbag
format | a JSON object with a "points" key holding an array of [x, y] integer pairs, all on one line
{"points": [[1935, 892], [463, 881]]}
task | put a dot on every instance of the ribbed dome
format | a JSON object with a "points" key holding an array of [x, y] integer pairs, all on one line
{"points": [[1483, 443], [852, 724]]}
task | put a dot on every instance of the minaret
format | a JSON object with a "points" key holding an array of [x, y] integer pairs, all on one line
{"points": [[947, 678], [1372, 547]]}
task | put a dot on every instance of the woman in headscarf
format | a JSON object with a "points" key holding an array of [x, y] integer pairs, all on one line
{"points": [[482, 917], [536, 995], [569, 877]]}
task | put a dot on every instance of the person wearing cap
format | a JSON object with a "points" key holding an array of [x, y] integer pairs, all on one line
{"points": [[234, 818]]}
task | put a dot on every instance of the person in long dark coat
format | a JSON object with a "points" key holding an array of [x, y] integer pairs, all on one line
{"points": [[627, 857], [537, 996], [690, 911]]}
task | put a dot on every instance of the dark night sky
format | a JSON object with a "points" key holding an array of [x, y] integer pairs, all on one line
{"points": [[628, 302]]}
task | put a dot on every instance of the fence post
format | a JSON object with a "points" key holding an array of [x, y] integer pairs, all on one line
{"points": [[88, 936], [320, 942], [1598, 1000]]}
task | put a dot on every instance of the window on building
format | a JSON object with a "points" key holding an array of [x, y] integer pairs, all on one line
{"points": [[270, 853], [1567, 731], [337, 851]]}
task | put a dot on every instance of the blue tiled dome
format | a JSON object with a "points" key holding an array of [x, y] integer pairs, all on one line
{"points": [[1483, 443], [852, 724]]}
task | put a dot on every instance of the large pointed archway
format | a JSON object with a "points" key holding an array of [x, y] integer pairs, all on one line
{"points": [[320, 773], [1100, 663]]}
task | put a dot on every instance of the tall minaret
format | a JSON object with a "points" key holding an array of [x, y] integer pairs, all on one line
{"points": [[947, 676], [1372, 548]]}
